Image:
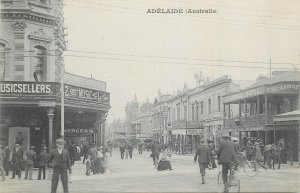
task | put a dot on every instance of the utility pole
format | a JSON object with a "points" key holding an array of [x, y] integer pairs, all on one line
{"points": [[62, 100]]}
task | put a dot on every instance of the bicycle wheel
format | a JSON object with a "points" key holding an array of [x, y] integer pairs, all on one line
{"points": [[250, 168], [220, 183]]}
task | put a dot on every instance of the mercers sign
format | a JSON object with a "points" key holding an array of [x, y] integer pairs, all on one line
{"points": [[79, 131], [14, 88], [279, 88]]}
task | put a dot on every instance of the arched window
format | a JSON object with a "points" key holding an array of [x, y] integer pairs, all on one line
{"points": [[39, 64], [2, 61]]}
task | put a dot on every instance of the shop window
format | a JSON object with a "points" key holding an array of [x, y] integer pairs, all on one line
{"points": [[2, 61]]}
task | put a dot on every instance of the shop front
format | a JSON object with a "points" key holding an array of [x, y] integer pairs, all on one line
{"points": [[30, 114]]}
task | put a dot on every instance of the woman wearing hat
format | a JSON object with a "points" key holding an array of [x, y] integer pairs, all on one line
{"points": [[99, 161]]}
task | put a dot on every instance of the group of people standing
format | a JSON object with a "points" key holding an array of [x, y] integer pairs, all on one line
{"points": [[94, 158], [17, 161]]}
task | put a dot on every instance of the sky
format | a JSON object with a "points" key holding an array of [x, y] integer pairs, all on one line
{"points": [[136, 52]]}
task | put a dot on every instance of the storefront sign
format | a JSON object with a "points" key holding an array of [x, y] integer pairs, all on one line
{"points": [[283, 87], [74, 92], [26, 88], [79, 131], [279, 88], [194, 131]]}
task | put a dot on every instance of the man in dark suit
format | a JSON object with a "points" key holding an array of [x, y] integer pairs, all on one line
{"points": [[155, 149], [6, 160], [42, 163], [203, 156], [30, 161], [226, 156], [16, 161], [130, 150], [61, 164]]}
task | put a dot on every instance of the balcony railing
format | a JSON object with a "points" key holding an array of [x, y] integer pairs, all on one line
{"points": [[249, 121]]}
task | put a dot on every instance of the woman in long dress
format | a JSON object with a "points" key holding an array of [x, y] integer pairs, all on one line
{"points": [[99, 161]]}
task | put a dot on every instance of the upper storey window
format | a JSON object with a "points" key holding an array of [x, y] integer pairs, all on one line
{"points": [[2, 61]]}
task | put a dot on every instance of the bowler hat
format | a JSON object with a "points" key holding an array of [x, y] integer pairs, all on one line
{"points": [[60, 140]]}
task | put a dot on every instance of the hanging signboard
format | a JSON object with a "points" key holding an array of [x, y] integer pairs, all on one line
{"points": [[26, 88]]}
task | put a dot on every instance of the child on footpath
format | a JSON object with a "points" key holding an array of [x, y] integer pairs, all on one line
{"points": [[88, 164]]}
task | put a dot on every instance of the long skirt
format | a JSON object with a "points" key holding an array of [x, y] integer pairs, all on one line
{"points": [[164, 165], [99, 166]]}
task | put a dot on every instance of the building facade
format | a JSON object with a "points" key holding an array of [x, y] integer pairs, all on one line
{"points": [[32, 42], [251, 112]]}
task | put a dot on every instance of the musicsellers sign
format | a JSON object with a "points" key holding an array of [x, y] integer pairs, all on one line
{"points": [[32, 88], [279, 88]]}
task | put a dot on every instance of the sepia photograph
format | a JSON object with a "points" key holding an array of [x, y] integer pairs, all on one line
{"points": [[149, 96]]}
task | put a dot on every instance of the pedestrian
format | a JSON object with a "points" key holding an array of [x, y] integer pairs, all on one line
{"points": [[99, 161], [226, 156], [72, 151], [85, 151], [30, 161], [212, 158], [16, 161], [164, 163], [203, 157], [130, 150], [2, 159], [61, 164], [140, 148], [122, 150], [42, 163], [6, 160], [155, 151], [88, 164]]}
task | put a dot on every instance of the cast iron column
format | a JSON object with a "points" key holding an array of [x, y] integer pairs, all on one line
{"points": [[50, 117]]}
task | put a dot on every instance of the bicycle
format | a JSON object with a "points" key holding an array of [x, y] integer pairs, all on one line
{"points": [[250, 167], [233, 181]]}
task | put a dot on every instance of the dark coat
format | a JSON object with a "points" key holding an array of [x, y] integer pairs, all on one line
{"points": [[61, 161], [17, 157], [155, 149], [227, 152], [43, 159], [202, 154], [31, 157]]}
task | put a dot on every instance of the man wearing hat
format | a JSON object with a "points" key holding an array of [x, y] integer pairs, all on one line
{"points": [[42, 163], [16, 161], [226, 155], [30, 160], [2, 157], [61, 164], [203, 156]]}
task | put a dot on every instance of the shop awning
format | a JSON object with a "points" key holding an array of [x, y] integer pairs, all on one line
{"points": [[290, 116]]}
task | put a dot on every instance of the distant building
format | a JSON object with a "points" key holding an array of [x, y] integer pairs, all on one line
{"points": [[131, 114], [253, 111], [32, 42]]}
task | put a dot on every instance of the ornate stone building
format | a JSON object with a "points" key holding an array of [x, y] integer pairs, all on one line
{"points": [[32, 42]]}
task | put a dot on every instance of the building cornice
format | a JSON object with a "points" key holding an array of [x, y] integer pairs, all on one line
{"points": [[28, 15]]}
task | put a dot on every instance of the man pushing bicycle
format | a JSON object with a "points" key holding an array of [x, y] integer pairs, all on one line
{"points": [[226, 156]]}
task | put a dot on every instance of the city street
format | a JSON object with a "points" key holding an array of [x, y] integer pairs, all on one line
{"points": [[139, 175]]}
